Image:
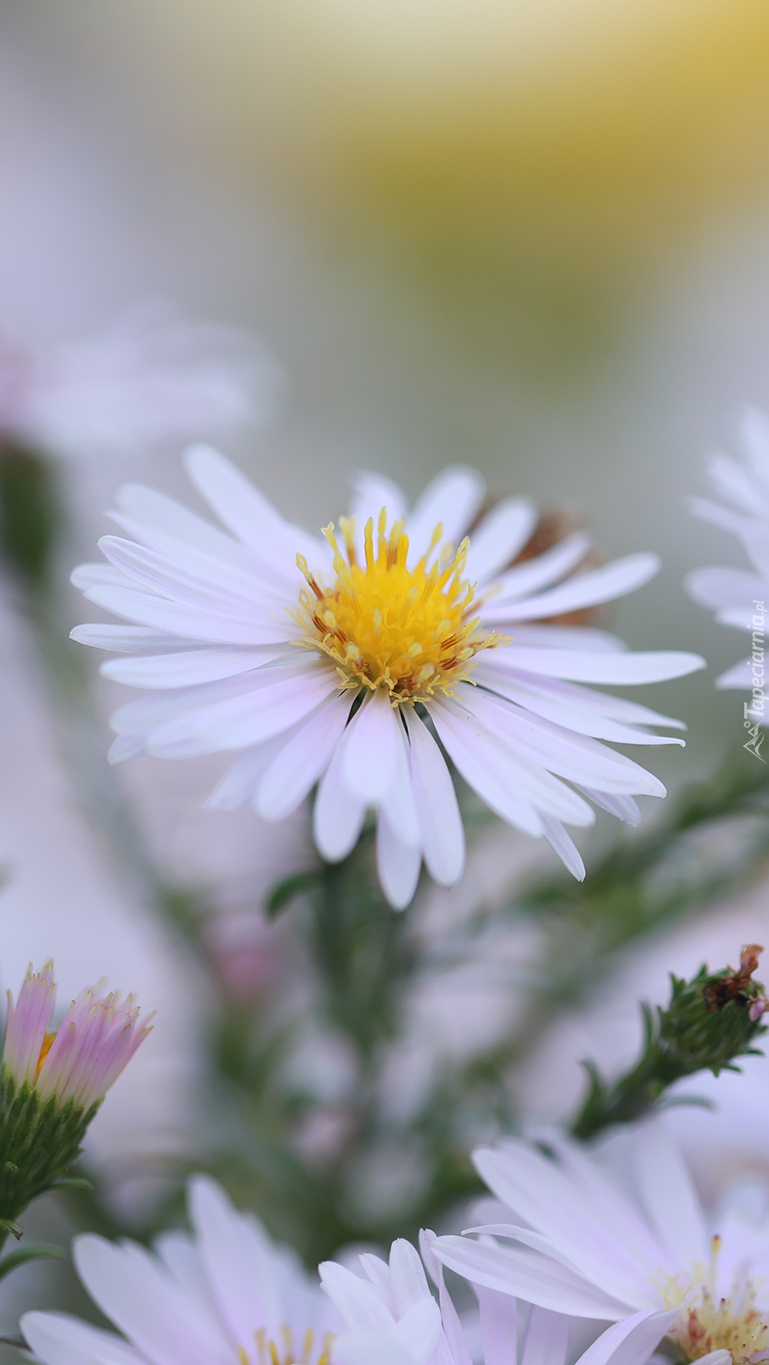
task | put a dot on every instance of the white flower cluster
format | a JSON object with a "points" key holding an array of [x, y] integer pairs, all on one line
{"points": [[570, 1240]]}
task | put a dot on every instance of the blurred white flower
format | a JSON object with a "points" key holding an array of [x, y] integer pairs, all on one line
{"points": [[152, 378], [323, 658], [226, 1295], [392, 1318], [739, 596], [596, 1244]]}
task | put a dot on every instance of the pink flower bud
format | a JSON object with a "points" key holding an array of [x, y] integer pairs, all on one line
{"points": [[82, 1059]]}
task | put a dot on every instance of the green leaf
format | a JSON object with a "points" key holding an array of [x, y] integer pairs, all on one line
{"points": [[45, 1251], [285, 891]]}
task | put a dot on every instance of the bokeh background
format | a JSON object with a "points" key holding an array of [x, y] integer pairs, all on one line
{"points": [[530, 236]]}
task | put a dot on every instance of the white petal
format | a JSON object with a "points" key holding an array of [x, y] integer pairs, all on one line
{"points": [[543, 569], [575, 709], [356, 1299], [440, 822], [754, 430], [240, 721], [717, 515], [547, 1337], [717, 587], [583, 666], [739, 675], [631, 1342], [409, 1283], [127, 639], [669, 1196], [453, 499], [547, 636], [624, 807], [190, 667], [185, 574], [239, 1261], [485, 770], [729, 478], [586, 590], [499, 1327], [419, 1329], [398, 804], [302, 760], [544, 1197], [240, 782], [369, 1348], [371, 751], [527, 1276], [142, 1300], [87, 576], [398, 864], [250, 516], [58, 1339], [565, 847], [502, 534], [574, 757], [339, 814], [506, 771], [178, 618], [154, 519]]}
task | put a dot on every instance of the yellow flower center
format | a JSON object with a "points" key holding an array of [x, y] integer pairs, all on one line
{"points": [[410, 631], [734, 1323], [287, 1351]]}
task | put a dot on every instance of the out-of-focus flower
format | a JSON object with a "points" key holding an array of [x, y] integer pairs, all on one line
{"points": [[84, 1057], [592, 1245], [226, 1294], [392, 1318], [324, 658], [739, 596], [151, 379]]}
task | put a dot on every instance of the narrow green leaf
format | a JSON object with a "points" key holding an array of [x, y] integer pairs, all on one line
{"points": [[285, 891], [45, 1251]]}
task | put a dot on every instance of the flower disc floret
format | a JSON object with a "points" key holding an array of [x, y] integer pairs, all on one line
{"points": [[711, 1321], [411, 631]]}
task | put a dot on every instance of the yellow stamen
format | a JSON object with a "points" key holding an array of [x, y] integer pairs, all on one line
{"points": [[734, 1323], [408, 631], [44, 1050]]}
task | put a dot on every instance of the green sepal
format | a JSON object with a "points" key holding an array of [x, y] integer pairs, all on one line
{"points": [[11, 1229], [44, 1251], [39, 1142]]}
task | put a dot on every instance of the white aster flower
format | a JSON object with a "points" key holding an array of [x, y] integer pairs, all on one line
{"points": [[149, 379], [591, 1245], [739, 597], [338, 661], [226, 1295], [392, 1318]]}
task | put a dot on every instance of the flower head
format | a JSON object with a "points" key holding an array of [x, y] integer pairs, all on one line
{"points": [[152, 377], [392, 1318], [84, 1057], [361, 659], [225, 1295], [739, 597], [584, 1243]]}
